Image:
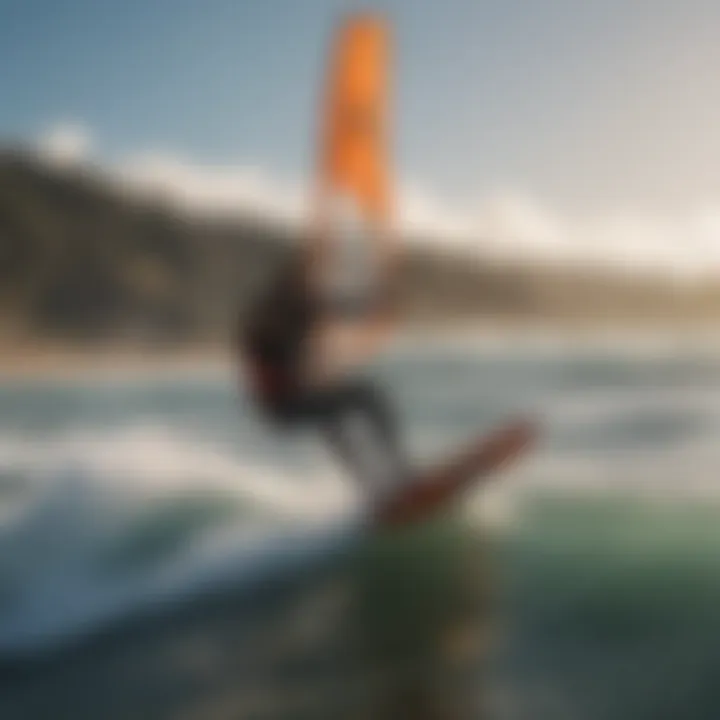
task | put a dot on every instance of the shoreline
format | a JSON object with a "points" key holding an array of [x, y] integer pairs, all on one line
{"points": [[69, 362], [30, 359]]}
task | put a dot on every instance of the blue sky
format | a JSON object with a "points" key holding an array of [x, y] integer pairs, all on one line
{"points": [[592, 107]]}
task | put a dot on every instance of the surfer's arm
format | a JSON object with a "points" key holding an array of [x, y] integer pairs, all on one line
{"points": [[337, 347], [372, 336], [387, 258]]}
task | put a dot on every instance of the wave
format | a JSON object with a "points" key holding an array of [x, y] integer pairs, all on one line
{"points": [[96, 522], [107, 521]]}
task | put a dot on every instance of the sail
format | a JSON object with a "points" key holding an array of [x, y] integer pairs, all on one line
{"points": [[354, 142]]}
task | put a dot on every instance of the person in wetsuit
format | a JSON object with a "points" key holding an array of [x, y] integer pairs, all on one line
{"points": [[290, 344]]}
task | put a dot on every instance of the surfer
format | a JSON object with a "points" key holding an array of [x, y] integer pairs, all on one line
{"points": [[330, 309], [332, 306], [304, 346]]}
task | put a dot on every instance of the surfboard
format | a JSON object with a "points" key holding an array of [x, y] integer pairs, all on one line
{"points": [[437, 488]]}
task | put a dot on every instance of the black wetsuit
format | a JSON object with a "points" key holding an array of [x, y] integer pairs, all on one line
{"points": [[352, 412]]}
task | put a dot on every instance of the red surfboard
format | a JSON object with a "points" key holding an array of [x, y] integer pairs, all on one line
{"points": [[440, 486]]}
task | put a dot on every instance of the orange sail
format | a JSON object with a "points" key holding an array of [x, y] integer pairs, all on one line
{"points": [[354, 133]]}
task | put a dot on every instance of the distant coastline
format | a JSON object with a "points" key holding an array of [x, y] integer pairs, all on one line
{"points": [[86, 265]]}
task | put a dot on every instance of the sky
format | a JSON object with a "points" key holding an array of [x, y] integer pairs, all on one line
{"points": [[598, 119]]}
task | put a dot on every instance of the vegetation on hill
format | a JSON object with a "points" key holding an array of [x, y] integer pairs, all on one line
{"points": [[82, 262]]}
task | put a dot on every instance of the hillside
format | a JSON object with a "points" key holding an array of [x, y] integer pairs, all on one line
{"points": [[82, 262]]}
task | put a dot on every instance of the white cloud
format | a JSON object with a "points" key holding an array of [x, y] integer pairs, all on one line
{"points": [[506, 225], [65, 144], [224, 190], [510, 220], [424, 214]]}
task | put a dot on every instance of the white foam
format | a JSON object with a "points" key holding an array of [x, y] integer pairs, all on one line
{"points": [[157, 460], [82, 492], [608, 404], [82, 488]]}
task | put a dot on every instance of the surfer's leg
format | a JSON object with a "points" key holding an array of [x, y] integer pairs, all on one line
{"points": [[360, 426]]}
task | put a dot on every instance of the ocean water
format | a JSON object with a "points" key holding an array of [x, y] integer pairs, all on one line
{"points": [[585, 584]]}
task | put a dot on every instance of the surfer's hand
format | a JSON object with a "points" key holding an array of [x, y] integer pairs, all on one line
{"points": [[330, 355]]}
